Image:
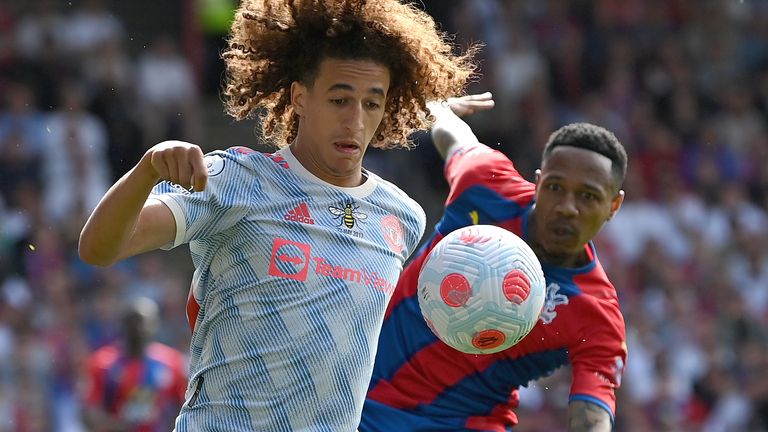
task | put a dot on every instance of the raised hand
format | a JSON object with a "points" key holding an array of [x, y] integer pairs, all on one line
{"points": [[179, 162], [469, 104]]}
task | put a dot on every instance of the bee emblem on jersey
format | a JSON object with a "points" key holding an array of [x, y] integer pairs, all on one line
{"points": [[349, 215]]}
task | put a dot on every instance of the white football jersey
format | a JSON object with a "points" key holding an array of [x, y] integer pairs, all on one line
{"points": [[292, 279]]}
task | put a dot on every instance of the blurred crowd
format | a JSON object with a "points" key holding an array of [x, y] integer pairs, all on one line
{"points": [[683, 84]]}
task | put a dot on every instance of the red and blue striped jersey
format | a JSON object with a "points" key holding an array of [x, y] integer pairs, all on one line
{"points": [[421, 384], [145, 392]]}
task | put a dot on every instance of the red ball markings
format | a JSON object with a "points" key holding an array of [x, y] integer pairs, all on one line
{"points": [[488, 339], [516, 286], [455, 290]]}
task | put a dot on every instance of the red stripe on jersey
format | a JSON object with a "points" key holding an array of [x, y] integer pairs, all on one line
{"points": [[410, 387], [515, 226], [501, 416], [193, 308], [596, 282], [482, 166]]}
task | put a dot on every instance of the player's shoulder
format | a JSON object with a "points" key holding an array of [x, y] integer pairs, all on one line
{"points": [[239, 158], [597, 284], [479, 163], [395, 196], [104, 357], [238, 154]]}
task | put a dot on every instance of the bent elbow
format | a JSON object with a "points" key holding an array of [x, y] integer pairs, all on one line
{"points": [[91, 255]]}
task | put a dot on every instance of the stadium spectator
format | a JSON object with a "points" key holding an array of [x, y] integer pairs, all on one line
{"points": [[136, 384]]}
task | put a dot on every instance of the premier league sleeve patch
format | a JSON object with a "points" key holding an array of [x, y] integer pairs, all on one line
{"points": [[214, 164]]}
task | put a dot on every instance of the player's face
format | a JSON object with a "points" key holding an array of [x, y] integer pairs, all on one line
{"points": [[338, 116], [575, 196]]}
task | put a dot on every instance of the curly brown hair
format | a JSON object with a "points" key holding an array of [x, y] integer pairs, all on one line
{"points": [[273, 43]]}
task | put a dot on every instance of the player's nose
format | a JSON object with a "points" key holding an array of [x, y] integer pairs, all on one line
{"points": [[353, 117], [566, 206]]}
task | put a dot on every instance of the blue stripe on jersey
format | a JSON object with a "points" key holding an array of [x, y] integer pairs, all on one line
{"points": [[395, 347], [483, 391], [383, 418], [489, 205], [594, 400]]}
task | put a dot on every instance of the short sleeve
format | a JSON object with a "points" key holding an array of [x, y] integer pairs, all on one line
{"points": [[225, 200], [598, 359]]}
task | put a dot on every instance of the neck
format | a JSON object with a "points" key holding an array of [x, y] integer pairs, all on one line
{"points": [[313, 163], [135, 349]]}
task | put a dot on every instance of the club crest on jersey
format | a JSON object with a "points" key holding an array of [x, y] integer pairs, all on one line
{"points": [[348, 217], [393, 233], [214, 164], [553, 300]]}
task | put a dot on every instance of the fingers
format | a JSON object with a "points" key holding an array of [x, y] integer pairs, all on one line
{"points": [[482, 105], [483, 100], [479, 97], [464, 105], [477, 102], [199, 177], [173, 162], [181, 163]]}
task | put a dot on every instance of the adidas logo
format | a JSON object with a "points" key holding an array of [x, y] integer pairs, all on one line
{"points": [[300, 214]]}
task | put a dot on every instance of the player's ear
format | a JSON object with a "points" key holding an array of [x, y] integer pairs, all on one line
{"points": [[616, 204], [537, 176], [298, 97]]}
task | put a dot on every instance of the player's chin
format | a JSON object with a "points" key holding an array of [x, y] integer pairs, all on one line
{"points": [[561, 248], [346, 165]]}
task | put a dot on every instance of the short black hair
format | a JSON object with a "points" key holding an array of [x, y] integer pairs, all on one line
{"points": [[594, 138]]}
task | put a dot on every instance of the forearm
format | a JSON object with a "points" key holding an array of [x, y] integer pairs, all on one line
{"points": [[449, 130], [111, 225], [585, 416]]}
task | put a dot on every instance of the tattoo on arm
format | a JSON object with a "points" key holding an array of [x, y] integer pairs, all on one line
{"points": [[586, 416]]}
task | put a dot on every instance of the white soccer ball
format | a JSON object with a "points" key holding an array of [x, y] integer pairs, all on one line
{"points": [[481, 289]]}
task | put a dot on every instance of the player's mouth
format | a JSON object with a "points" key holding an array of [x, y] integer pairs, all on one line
{"points": [[347, 146], [563, 231]]}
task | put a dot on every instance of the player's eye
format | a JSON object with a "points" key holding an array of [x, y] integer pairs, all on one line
{"points": [[338, 101], [554, 187], [373, 105], [589, 196]]}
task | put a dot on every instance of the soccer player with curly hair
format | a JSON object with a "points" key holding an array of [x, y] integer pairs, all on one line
{"points": [[296, 252]]}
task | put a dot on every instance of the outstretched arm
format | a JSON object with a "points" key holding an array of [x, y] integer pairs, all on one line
{"points": [[449, 131], [124, 222], [586, 416]]}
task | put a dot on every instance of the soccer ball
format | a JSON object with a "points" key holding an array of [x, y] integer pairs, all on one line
{"points": [[481, 289]]}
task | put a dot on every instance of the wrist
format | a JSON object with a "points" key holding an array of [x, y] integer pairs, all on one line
{"points": [[144, 170]]}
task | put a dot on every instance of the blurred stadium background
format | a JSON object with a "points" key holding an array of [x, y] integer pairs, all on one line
{"points": [[683, 83]]}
